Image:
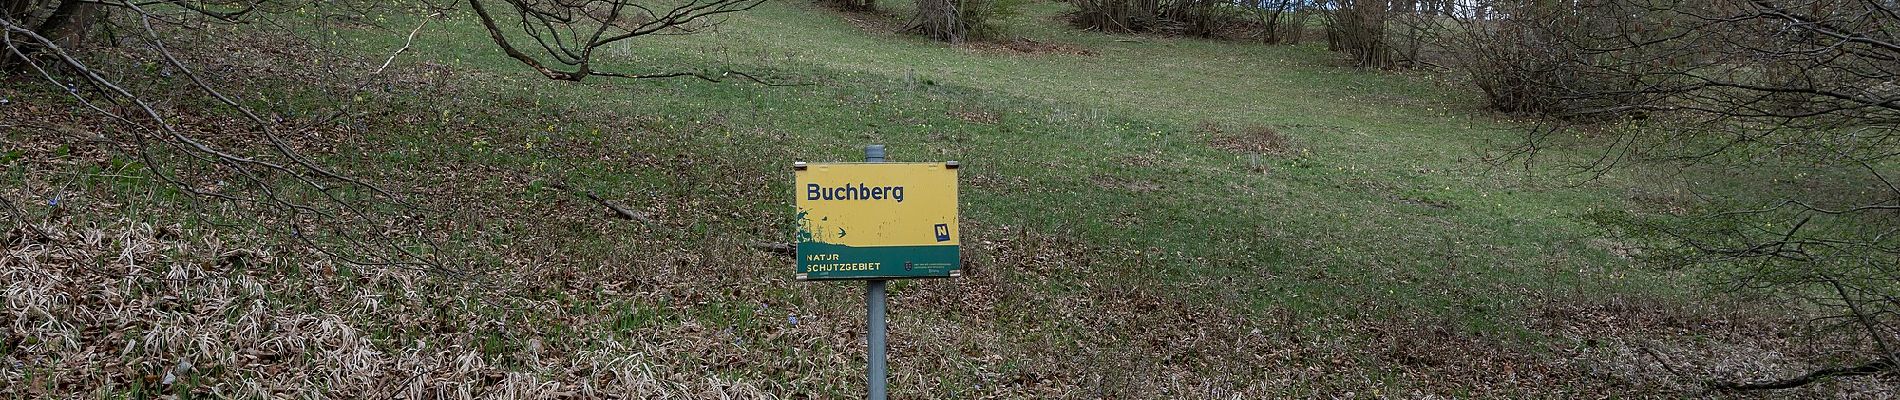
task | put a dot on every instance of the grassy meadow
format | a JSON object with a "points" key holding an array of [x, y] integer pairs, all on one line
{"points": [[1145, 217]]}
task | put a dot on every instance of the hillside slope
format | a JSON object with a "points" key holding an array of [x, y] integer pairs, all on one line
{"points": [[1145, 218]]}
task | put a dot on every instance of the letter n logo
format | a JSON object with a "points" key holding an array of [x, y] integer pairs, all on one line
{"points": [[943, 232]]}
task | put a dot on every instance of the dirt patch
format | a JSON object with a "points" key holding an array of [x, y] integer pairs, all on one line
{"points": [[1255, 140], [1028, 46], [975, 115], [877, 22], [1625, 315], [1144, 160], [1665, 202], [1133, 185], [1619, 248]]}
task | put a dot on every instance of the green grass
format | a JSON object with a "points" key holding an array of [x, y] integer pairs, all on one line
{"points": [[1378, 208], [1382, 200]]}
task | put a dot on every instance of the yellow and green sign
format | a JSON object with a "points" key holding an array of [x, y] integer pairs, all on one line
{"points": [[877, 220]]}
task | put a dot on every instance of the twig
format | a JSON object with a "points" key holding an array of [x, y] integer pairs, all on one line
{"points": [[619, 210], [1799, 381], [405, 44], [1664, 361], [702, 76], [19, 218], [251, 169]]}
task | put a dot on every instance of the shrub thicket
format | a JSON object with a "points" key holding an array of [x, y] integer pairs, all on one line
{"points": [[1532, 59], [851, 5], [956, 21], [1202, 18], [1279, 21]]}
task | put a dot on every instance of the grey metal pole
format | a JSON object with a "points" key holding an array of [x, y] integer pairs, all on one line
{"points": [[874, 311]]}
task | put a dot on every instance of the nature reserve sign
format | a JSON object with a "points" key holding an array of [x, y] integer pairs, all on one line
{"points": [[877, 220]]}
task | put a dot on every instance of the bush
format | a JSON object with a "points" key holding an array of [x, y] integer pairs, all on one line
{"points": [[1796, 99], [1529, 60], [1269, 21], [1518, 68], [1359, 30], [956, 21], [1202, 18], [851, 5], [1285, 22], [1387, 35]]}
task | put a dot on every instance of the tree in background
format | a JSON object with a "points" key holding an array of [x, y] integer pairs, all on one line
{"points": [[1800, 94], [1384, 34], [68, 21], [572, 33], [255, 165], [851, 5], [957, 21], [1281, 21], [1201, 18], [1358, 28]]}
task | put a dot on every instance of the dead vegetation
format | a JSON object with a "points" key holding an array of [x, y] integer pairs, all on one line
{"points": [[128, 307], [1255, 140], [1026, 46], [975, 114], [103, 306], [1697, 349]]}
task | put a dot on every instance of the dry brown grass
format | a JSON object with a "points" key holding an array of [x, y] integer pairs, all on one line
{"points": [[100, 310], [1027, 46], [1256, 140], [975, 115]]}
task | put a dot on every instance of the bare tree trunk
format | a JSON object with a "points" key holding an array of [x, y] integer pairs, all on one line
{"points": [[58, 19], [79, 25], [28, 14]]}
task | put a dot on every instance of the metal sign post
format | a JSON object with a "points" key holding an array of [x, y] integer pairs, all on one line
{"points": [[874, 310], [876, 370], [876, 221]]}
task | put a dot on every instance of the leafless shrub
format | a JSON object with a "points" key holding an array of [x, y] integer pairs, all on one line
{"points": [[1359, 30], [228, 152], [1281, 21], [851, 5], [570, 33], [1390, 34], [959, 21], [1203, 18], [1772, 92], [1533, 58]]}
